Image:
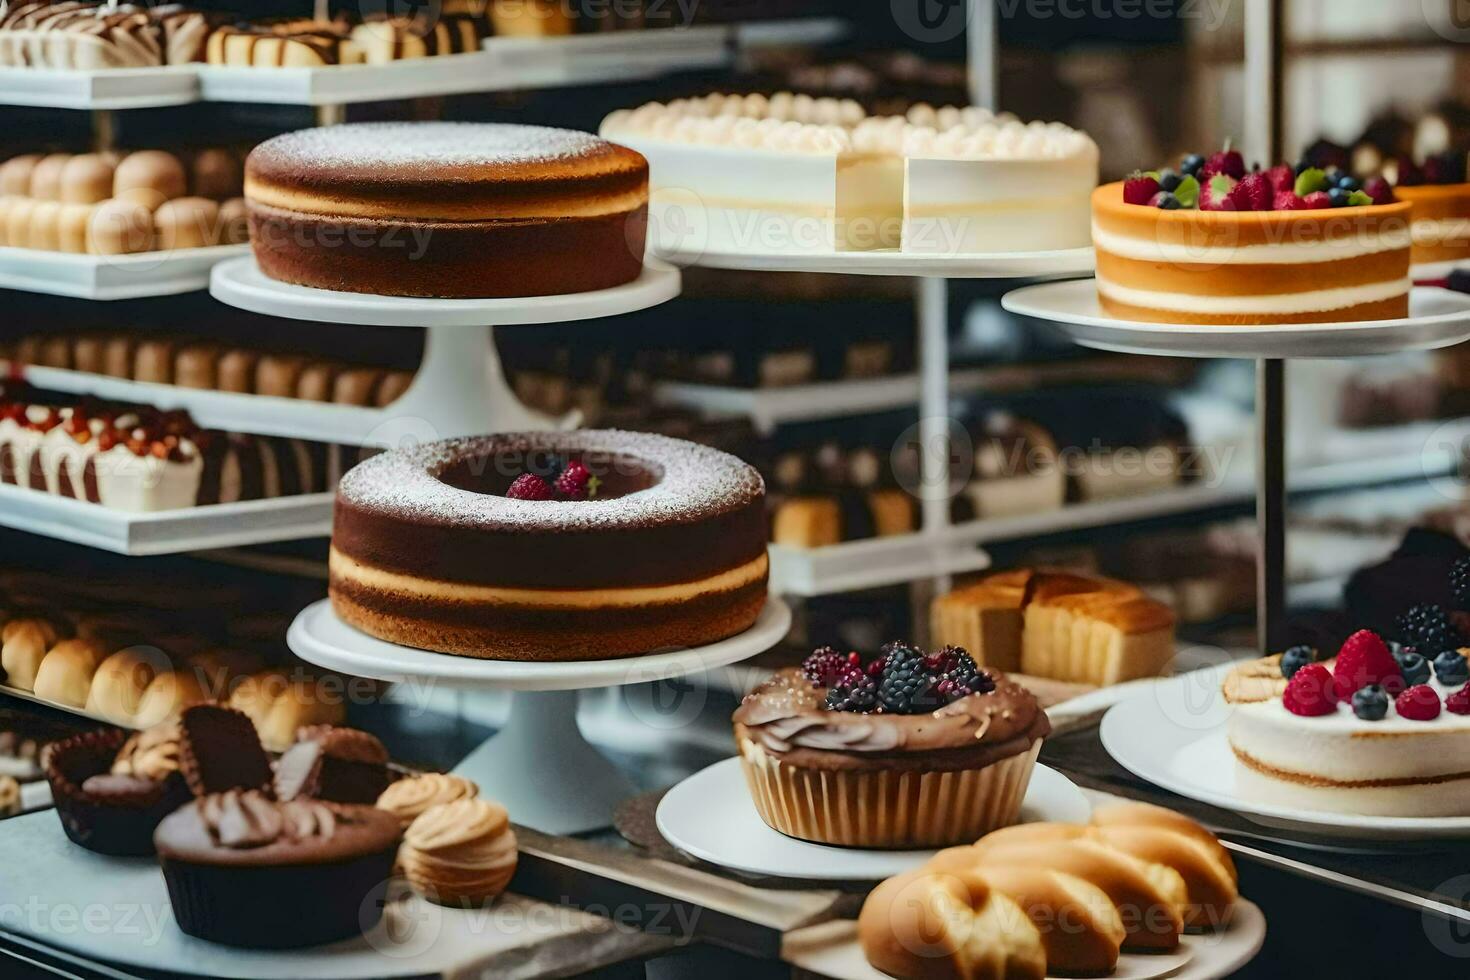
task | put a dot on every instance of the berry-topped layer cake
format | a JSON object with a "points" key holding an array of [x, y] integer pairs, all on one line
{"points": [[911, 749], [1212, 243], [1441, 198], [558, 546], [1381, 729]]}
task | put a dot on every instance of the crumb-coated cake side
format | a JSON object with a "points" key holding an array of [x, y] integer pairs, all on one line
{"points": [[588, 545], [447, 209]]}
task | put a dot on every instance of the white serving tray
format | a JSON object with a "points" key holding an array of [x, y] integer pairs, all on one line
{"points": [[108, 88], [105, 277], [871, 563]]}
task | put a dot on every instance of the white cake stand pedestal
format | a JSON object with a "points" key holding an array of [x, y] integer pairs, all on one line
{"points": [[539, 764]]}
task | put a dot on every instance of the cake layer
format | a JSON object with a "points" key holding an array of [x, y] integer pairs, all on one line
{"points": [[1160, 308], [1437, 797], [1441, 225]]}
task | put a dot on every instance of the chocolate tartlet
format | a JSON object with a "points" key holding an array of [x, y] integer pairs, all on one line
{"points": [[912, 750], [339, 765], [245, 870], [430, 549], [447, 209], [112, 789]]}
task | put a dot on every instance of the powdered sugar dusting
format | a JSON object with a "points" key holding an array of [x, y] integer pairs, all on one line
{"points": [[425, 145], [697, 483]]}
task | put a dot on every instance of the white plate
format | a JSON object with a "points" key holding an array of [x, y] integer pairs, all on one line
{"points": [[104, 88], [1437, 318], [831, 950], [111, 277], [1174, 736], [241, 283], [710, 816], [319, 637]]}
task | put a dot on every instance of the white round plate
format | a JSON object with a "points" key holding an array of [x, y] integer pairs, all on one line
{"points": [[1436, 270], [710, 816], [1174, 736], [319, 637], [1437, 318], [891, 262], [240, 283]]}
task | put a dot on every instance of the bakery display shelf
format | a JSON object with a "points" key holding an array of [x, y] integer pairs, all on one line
{"points": [[71, 709], [540, 736], [1437, 318], [102, 89], [475, 71], [166, 532], [673, 242], [615, 56], [872, 563], [109, 277]]}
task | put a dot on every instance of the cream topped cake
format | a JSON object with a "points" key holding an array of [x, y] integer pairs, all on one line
{"points": [[1438, 190], [1373, 731], [790, 173]]}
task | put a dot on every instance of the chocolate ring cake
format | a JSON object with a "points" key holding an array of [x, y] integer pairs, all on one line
{"points": [[550, 546], [447, 209]]}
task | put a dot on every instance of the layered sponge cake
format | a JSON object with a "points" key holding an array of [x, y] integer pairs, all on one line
{"points": [[1212, 244], [1058, 625]]}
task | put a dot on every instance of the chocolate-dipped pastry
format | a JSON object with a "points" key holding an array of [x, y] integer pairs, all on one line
{"points": [[687, 524], [246, 870], [341, 765], [111, 789], [219, 750], [447, 209]]}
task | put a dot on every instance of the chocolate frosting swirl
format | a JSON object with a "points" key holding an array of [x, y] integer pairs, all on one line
{"points": [[248, 818], [786, 716]]}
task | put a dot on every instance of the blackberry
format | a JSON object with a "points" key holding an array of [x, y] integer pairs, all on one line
{"points": [[1460, 583], [1428, 628], [826, 665], [854, 692], [907, 688]]}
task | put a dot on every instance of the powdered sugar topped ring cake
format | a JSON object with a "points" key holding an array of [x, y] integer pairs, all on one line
{"points": [[585, 545], [1372, 731], [447, 209]]}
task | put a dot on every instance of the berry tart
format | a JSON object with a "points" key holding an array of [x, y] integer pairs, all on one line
{"points": [[1212, 243], [909, 750], [1441, 198], [1381, 729], [548, 546]]}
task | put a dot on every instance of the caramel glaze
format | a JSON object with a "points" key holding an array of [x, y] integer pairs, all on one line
{"points": [[785, 716]]}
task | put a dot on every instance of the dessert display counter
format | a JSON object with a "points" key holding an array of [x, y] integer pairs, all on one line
{"points": [[112, 277], [101, 89]]}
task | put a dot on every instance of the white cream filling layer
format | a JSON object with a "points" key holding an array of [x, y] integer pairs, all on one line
{"points": [[1307, 302], [1268, 253], [1451, 231]]}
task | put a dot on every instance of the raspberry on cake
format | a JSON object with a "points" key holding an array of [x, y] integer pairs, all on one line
{"points": [[1210, 244], [431, 549]]}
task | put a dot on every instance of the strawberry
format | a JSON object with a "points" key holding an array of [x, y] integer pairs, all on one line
{"points": [[1287, 201], [1215, 194], [1139, 188], [1316, 201], [1253, 193], [1418, 703], [1310, 692], [529, 486], [1281, 178], [1364, 659], [1228, 162], [1379, 190]]}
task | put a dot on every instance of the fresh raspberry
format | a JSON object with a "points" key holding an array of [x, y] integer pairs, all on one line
{"points": [[824, 666], [1287, 201], [1253, 193], [1364, 659], [1227, 162], [1215, 194], [573, 482], [1310, 692], [1418, 703], [1379, 189], [1459, 702], [529, 486], [1281, 178], [1316, 201], [1139, 188]]}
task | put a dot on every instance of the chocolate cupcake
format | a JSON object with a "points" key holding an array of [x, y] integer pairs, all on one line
{"points": [[909, 751], [246, 870], [111, 790], [340, 765]]}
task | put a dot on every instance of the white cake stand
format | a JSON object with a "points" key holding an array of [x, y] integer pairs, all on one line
{"points": [[539, 765]]}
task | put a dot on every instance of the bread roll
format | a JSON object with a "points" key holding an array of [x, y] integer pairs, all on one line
{"points": [[25, 642], [1148, 815], [18, 221], [45, 230], [72, 227], [318, 380], [46, 177], [66, 672], [302, 703], [121, 680], [356, 386], [234, 224], [88, 353], [218, 669], [187, 222], [15, 175], [54, 352], [253, 695], [1093, 934], [120, 227], [153, 361], [196, 366], [149, 178], [948, 925], [217, 174], [168, 694], [392, 387], [236, 371], [117, 356], [279, 374], [1211, 885], [86, 179]]}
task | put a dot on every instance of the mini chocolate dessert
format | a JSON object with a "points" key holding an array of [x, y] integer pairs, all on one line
{"points": [[111, 790], [910, 750], [219, 750], [340, 765], [246, 870]]}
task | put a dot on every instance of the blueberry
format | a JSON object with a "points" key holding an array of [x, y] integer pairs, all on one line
{"points": [[1338, 197], [1414, 668], [1451, 668], [1190, 165], [1349, 183], [1165, 201], [1370, 703], [1295, 659], [1168, 180]]}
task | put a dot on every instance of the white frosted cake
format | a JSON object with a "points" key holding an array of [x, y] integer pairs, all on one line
{"points": [[1300, 744], [790, 173]]}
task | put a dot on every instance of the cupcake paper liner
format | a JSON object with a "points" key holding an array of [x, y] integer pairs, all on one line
{"points": [[891, 808], [119, 825]]}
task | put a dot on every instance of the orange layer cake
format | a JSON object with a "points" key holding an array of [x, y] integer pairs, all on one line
{"points": [[1441, 221], [1250, 267]]}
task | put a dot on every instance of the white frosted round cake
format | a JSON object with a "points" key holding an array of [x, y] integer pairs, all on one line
{"points": [[790, 173], [1368, 732]]}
